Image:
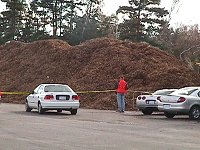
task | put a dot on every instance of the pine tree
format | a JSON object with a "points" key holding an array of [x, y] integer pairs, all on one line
{"points": [[1, 30], [13, 19], [145, 18], [88, 26], [57, 14]]}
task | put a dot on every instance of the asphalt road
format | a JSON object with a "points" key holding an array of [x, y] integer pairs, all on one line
{"points": [[94, 130]]}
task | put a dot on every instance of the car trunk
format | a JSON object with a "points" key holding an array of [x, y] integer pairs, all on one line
{"points": [[60, 96], [169, 99]]}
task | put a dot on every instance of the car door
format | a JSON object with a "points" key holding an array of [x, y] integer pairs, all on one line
{"points": [[37, 95], [31, 97], [30, 100], [196, 99]]}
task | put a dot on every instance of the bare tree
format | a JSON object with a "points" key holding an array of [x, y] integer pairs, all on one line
{"points": [[175, 7]]}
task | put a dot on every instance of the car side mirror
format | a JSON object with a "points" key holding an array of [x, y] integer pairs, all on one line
{"points": [[33, 92]]}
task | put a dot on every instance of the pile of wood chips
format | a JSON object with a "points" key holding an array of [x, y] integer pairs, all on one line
{"points": [[91, 66]]}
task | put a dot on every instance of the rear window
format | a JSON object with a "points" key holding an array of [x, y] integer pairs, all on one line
{"points": [[183, 92], [162, 92], [57, 88]]}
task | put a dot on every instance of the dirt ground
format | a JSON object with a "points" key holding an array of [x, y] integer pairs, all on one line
{"points": [[92, 65]]}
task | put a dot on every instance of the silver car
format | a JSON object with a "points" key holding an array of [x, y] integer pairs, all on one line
{"points": [[149, 103], [53, 97], [185, 101]]}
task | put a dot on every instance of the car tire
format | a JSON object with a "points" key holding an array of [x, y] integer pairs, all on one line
{"points": [[169, 115], [194, 113], [73, 111], [40, 109], [59, 111], [147, 111], [27, 108]]}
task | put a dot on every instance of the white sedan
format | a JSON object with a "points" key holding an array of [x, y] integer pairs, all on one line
{"points": [[185, 101], [149, 103], [53, 97]]}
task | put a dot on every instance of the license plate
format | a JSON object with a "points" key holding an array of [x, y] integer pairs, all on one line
{"points": [[166, 106], [62, 97], [151, 102]]}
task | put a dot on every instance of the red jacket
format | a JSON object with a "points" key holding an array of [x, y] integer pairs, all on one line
{"points": [[122, 87]]}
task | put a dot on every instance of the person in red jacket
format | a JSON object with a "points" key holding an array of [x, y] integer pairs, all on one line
{"points": [[121, 90], [0, 96]]}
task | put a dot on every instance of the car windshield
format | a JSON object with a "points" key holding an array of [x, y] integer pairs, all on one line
{"points": [[57, 88], [163, 92], [184, 91]]}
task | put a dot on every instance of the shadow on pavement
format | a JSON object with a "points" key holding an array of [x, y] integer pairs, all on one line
{"points": [[45, 114]]}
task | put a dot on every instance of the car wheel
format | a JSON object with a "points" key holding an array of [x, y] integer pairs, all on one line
{"points": [[147, 111], [73, 111], [27, 108], [194, 113], [40, 109], [59, 111], [169, 115]]}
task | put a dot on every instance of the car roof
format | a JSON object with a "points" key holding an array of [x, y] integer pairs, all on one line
{"points": [[191, 87], [45, 84], [166, 90]]}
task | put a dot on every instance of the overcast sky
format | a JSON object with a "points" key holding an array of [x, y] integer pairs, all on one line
{"points": [[187, 14]]}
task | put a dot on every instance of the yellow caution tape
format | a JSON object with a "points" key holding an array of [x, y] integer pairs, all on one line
{"points": [[87, 92], [79, 92], [15, 93]]}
